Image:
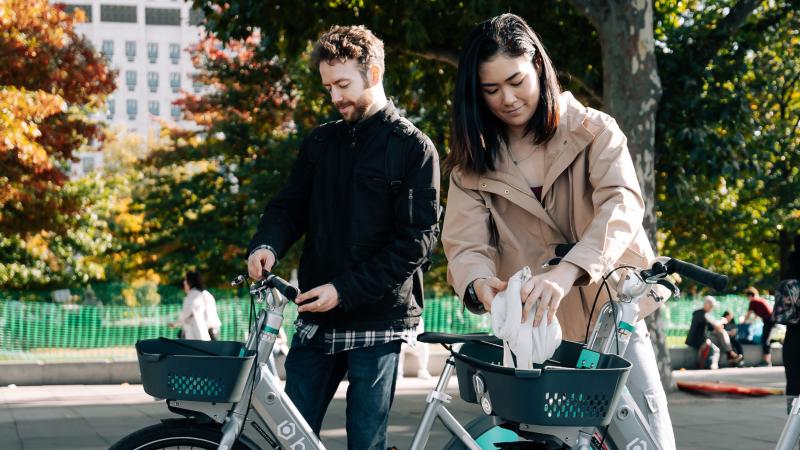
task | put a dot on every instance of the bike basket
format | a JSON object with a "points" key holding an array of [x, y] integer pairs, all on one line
{"points": [[201, 371], [552, 394]]}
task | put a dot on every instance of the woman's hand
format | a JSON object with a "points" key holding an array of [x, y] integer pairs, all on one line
{"points": [[486, 289], [549, 288]]}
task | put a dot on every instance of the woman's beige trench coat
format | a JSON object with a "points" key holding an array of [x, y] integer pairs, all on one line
{"points": [[590, 196]]}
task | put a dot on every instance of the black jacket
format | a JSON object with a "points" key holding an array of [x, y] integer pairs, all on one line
{"points": [[698, 329], [366, 196]]}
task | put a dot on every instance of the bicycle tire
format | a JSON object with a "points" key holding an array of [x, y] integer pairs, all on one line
{"points": [[486, 431], [169, 435]]}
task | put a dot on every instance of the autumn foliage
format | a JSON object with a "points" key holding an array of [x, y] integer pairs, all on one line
{"points": [[50, 80]]}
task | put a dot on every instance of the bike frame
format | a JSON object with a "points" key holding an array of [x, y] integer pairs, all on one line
{"points": [[791, 431], [265, 417]]}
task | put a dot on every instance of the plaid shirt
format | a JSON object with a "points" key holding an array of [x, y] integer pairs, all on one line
{"points": [[334, 341]]}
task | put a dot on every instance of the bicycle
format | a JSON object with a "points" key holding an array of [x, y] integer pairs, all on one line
{"points": [[229, 399]]}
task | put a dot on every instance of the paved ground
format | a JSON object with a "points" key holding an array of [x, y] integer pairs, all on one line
{"points": [[93, 417]]}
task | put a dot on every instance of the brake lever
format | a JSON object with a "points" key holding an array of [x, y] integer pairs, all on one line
{"points": [[676, 292]]}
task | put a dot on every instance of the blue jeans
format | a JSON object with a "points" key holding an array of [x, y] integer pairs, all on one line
{"points": [[312, 378]]}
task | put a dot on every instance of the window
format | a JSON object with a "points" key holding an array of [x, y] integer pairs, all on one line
{"points": [[152, 51], [152, 107], [108, 49], [175, 111], [130, 50], [175, 53], [132, 108], [162, 16], [130, 79], [110, 107], [196, 17], [152, 81], [175, 81], [88, 164], [197, 85], [118, 13], [87, 10]]}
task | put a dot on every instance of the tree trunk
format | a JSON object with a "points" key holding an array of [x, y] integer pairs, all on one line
{"points": [[631, 92]]}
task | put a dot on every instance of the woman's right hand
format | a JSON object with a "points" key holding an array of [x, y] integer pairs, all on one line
{"points": [[486, 289]]}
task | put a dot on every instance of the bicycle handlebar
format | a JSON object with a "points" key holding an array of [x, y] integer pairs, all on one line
{"points": [[281, 285], [689, 270], [697, 273]]}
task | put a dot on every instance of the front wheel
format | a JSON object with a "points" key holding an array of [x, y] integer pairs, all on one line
{"points": [[486, 431], [173, 435]]}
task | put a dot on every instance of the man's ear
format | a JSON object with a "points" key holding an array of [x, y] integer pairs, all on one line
{"points": [[374, 75]]}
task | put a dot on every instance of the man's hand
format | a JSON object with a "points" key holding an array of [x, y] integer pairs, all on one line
{"points": [[260, 261], [487, 288], [549, 289], [326, 299]]}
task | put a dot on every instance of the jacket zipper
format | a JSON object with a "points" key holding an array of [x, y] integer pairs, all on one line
{"points": [[410, 206]]}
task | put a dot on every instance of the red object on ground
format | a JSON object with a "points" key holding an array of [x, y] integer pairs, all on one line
{"points": [[710, 388]]}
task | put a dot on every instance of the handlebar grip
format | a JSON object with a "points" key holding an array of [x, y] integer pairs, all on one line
{"points": [[699, 274], [283, 286]]}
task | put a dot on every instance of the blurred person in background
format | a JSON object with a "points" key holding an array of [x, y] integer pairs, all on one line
{"points": [[729, 323], [761, 308], [787, 312], [707, 335], [192, 319], [213, 321]]}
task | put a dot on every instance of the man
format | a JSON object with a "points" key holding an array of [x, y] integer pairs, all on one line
{"points": [[365, 192], [729, 323], [761, 308], [703, 322]]}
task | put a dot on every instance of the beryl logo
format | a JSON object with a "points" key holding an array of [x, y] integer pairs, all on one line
{"points": [[287, 430], [636, 444]]}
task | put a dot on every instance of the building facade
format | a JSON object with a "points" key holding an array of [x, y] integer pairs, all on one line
{"points": [[146, 41]]}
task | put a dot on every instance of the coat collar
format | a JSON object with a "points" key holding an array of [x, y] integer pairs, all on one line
{"points": [[573, 135]]}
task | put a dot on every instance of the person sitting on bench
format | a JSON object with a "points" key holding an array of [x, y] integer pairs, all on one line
{"points": [[707, 335]]}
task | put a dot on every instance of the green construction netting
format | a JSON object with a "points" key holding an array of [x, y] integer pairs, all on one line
{"points": [[62, 331]]}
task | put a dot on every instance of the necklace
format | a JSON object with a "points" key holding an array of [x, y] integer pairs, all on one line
{"points": [[517, 161]]}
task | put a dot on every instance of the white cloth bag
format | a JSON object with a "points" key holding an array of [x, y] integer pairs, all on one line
{"points": [[529, 344]]}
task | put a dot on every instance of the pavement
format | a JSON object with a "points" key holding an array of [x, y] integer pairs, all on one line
{"points": [[89, 417]]}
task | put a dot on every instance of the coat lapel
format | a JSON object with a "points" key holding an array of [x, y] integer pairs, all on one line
{"points": [[571, 138]]}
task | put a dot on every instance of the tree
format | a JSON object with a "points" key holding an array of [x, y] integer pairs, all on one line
{"points": [[728, 140], [219, 175], [50, 81]]}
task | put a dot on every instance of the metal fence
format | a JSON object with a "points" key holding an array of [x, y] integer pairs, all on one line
{"points": [[54, 331]]}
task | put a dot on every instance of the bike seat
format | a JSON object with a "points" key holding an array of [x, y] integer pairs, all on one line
{"points": [[445, 338]]}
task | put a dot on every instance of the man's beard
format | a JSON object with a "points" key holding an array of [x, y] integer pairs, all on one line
{"points": [[360, 107]]}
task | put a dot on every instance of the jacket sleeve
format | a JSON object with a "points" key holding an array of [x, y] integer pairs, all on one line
{"points": [[618, 205], [191, 306], [285, 218], [416, 209], [466, 239]]}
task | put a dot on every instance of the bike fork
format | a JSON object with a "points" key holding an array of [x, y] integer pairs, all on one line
{"points": [[437, 399], [791, 431]]}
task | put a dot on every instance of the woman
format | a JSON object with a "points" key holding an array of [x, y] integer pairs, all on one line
{"points": [[532, 168], [787, 312], [192, 318]]}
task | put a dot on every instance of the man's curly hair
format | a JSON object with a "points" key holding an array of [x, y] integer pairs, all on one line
{"points": [[349, 42]]}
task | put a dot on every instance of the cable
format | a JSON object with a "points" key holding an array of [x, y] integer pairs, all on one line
{"points": [[610, 298], [605, 434]]}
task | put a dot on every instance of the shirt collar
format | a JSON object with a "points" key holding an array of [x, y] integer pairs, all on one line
{"points": [[383, 115]]}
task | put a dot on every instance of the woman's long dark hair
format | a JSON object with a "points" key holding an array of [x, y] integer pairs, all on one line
{"points": [[194, 280], [476, 134]]}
